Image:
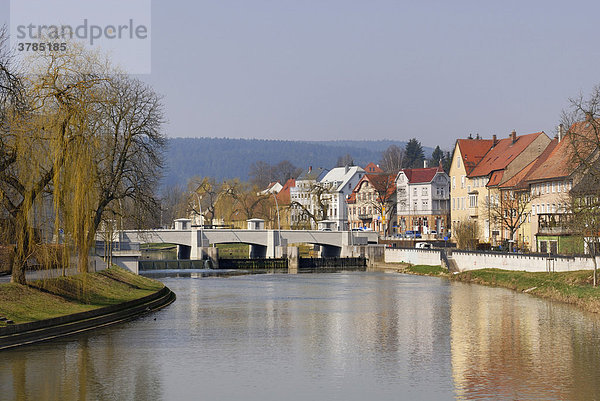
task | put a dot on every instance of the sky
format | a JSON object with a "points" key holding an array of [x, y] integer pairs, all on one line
{"points": [[329, 69]]}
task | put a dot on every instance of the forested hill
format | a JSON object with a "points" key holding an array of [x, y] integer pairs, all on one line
{"points": [[224, 158]]}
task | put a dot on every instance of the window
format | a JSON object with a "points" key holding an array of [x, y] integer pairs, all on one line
{"points": [[472, 200], [552, 186], [462, 181], [558, 187], [424, 191], [453, 203], [458, 162], [415, 191], [453, 182], [547, 187]]}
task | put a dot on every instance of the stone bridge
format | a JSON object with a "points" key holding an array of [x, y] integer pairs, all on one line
{"points": [[196, 243]]}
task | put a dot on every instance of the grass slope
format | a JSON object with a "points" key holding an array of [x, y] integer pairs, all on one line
{"points": [[50, 298]]}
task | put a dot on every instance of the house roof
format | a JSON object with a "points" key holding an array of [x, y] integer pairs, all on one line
{"points": [[312, 174], [339, 176], [421, 175], [373, 168], [557, 163], [501, 155], [473, 150], [283, 197], [517, 180]]}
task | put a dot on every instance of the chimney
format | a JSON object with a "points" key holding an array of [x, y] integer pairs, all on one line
{"points": [[494, 140], [513, 136], [424, 163], [560, 132], [346, 169]]}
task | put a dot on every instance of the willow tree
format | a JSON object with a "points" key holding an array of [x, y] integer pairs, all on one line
{"points": [[87, 135]]}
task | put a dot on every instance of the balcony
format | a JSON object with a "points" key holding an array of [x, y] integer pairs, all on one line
{"points": [[474, 211], [554, 224]]}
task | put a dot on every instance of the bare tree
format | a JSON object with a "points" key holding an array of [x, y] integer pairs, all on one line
{"points": [[345, 160], [247, 200], [392, 159], [466, 233], [582, 123], [319, 195], [385, 200], [510, 209], [174, 204]]}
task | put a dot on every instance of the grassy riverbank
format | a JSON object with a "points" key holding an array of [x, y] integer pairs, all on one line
{"points": [[61, 296], [570, 287]]}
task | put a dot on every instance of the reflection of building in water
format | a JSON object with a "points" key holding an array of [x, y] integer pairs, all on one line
{"points": [[507, 345]]}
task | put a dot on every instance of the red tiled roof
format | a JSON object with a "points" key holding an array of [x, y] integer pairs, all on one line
{"points": [[557, 163], [372, 168], [517, 180], [473, 150], [283, 196], [381, 182], [420, 175], [495, 178], [503, 154]]}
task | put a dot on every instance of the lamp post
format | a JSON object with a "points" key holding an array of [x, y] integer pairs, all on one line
{"points": [[200, 209], [278, 220]]}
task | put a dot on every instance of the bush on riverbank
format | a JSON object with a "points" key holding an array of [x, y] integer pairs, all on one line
{"points": [[61, 296]]}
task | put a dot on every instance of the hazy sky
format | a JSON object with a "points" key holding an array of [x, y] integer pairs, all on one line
{"points": [[435, 70]]}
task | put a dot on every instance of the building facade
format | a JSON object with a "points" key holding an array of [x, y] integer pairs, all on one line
{"points": [[423, 200]]}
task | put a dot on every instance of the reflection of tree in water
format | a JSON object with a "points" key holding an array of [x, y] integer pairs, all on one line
{"points": [[91, 367], [507, 346]]}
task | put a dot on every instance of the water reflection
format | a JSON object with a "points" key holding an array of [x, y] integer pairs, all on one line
{"points": [[507, 345], [95, 366], [322, 336]]}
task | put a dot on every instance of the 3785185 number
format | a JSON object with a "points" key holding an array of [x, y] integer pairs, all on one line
{"points": [[41, 47]]}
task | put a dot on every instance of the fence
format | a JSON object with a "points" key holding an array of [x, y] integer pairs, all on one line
{"points": [[332, 263], [249, 264]]}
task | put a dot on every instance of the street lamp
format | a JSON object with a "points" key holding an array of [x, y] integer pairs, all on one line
{"points": [[200, 209]]}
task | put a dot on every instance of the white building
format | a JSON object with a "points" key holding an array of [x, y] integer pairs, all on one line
{"points": [[423, 199], [322, 194]]}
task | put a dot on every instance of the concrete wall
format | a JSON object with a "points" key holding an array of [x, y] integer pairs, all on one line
{"points": [[480, 260], [413, 256], [465, 261]]}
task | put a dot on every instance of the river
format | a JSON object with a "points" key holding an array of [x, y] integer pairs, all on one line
{"points": [[344, 336]]}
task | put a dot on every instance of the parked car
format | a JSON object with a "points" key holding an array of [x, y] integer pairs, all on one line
{"points": [[423, 245], [413, 234]]}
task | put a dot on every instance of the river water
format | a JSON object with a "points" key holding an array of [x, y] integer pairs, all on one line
{"points": [[344, 336]]}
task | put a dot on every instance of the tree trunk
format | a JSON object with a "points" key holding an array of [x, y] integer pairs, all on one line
{"points": [[19, 256]]}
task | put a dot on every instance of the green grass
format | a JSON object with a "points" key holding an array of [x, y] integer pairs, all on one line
{"points": [[49, 298], [571, 287], [426, 270]]}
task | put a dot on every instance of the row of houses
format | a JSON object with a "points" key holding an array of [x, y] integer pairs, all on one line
{"points": [[519, 190], [368, 198], [516, 191]]}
